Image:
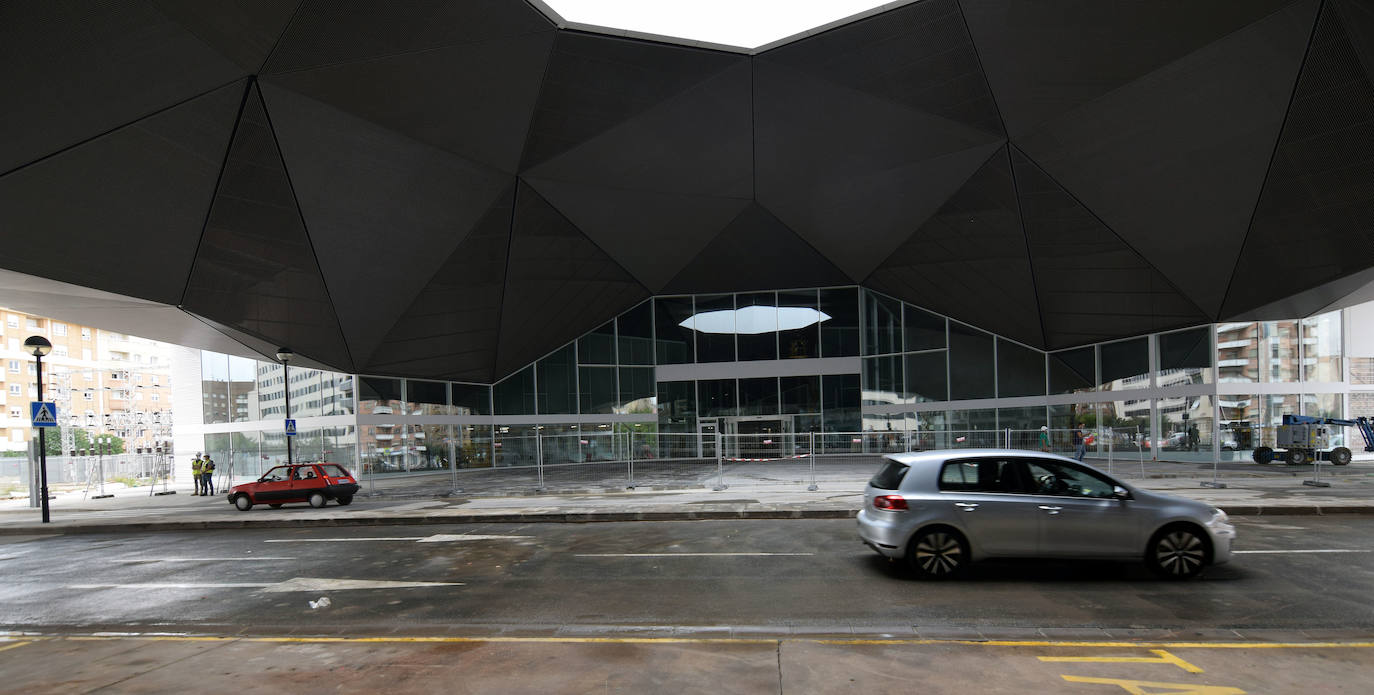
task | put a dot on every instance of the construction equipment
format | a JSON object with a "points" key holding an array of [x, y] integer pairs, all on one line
{"points": [[1304, 438]]}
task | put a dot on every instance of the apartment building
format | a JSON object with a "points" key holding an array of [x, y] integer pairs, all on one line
{"points": [[102, 382]]}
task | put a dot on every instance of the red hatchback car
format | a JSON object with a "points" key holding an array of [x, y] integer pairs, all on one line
{"points": [[316, 483]]}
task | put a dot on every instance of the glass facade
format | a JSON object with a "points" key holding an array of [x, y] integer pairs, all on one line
{"points": [[1185, 394]]}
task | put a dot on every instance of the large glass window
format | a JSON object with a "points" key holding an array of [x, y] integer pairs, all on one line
{"points": [[677, 406], [1020, 370], [716, 398], [757, 323], [379, 396], [799, 337], [924, 330], [1321, 340], [1326, 405], [883, 380], [1279, 351], [598, 346], [1073, 371], [927, 376], [635, 329], [1185, 357], [673, 337], [716, 327], [473, 446], [801, 394], [1239, 427], [1125, 364], [1238, 352], [243, 390], [214, 387], [758, 396], [515, 395], [472, 399], [1186, 426], [840, 332], [840, 398], [557, 382], [598, 389], [636, 390], [427, 397], [883, 324], [970, 363]]}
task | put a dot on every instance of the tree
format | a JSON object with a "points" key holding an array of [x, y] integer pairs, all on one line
{"points": [[82, 441]]}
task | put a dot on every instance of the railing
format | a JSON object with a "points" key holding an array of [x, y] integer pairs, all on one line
{"points": [[636, 460]]}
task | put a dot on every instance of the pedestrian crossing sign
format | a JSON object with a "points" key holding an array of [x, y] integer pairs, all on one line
{"points": [[290, 428], [43, 413]]}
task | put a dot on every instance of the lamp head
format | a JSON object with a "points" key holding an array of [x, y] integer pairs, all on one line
{"points": [[285, 354], [37, 346]]}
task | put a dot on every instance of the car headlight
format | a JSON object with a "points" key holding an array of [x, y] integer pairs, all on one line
{"points": [[1218, 517]]}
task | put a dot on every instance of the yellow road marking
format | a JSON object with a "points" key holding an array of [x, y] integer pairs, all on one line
{"points": [[1161, 657], [1139, 687], [12, 646], [724, 640]]}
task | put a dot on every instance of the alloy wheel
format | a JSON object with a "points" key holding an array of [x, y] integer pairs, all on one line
{"points": [[939, 554], [1180, 553]]}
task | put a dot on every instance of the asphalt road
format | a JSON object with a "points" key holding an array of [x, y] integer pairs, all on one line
{"points": [[710, 578]]}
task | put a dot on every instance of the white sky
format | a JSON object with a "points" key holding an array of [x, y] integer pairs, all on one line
{"points": [[742, 23]]}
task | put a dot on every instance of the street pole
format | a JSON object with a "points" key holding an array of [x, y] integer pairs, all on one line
{"points": [[285, 355], [38, 346]]}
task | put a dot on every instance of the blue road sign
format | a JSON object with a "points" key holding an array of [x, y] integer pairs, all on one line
{"points": [[43, 413], [290, 428]]}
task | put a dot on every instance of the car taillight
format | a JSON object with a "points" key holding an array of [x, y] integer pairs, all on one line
{"points": [[893, 502]]}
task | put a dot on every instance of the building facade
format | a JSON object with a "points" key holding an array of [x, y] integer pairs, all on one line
{"points": [[840, 364], [101, 381]]}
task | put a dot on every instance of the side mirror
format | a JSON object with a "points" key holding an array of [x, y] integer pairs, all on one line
{"points": [[1121, 493]]}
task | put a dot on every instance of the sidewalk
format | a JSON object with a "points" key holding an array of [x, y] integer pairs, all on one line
{"points": [[756, 497]]}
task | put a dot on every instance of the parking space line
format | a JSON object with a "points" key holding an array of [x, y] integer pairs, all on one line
{"points": [[1160, 657], [13, 646], [1138, 687], [694, 554]]}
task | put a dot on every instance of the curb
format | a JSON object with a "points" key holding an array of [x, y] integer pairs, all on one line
{"points": [[557, 518]]}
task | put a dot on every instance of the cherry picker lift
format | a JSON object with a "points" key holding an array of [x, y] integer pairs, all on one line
{"points": [[1305, 438]]}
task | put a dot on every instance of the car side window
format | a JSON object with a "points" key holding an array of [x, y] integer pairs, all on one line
{"points": [[983, 475], [278, 473], [1055, 478]]}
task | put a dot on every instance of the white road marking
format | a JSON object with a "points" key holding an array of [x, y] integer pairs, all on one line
{"points": [[694, 554], [1278, 552], [436, 538], [296, 584], [250, 558]]}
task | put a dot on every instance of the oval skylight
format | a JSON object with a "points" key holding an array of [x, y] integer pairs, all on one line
{"points": [[738, 24], [753, 320]]}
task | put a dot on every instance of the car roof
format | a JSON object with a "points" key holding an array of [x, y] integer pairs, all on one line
{"points": [[938, 456]]}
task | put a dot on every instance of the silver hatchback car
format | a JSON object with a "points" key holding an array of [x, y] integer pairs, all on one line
{"points": [[941, 510]]}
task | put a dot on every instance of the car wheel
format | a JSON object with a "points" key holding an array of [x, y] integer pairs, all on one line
{"points": [[1340, 456], [1296, 457], [275, 506], [938, 553], [317, 499], [344, 500], [1263, 454], [243, 503], [1177, 552]]}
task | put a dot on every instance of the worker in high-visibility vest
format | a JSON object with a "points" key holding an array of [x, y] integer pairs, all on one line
{"points": [[195, 474]]}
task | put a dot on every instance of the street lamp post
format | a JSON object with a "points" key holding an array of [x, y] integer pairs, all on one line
{"points": [[38, 346], [285, 354]]}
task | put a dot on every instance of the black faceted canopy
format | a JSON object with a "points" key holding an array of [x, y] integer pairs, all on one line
{"points": [[453, 188]]}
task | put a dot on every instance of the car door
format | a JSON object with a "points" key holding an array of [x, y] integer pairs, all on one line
{"points": [[1078, 515], [274, 485], [987, 498]]}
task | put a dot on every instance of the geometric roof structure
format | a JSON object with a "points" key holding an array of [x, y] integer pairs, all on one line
{"points": [[451, 189]]}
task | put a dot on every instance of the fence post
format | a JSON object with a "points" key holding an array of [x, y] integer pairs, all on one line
{"points": [[720, 464], [811, 460], [630, 461], [539, 457]]}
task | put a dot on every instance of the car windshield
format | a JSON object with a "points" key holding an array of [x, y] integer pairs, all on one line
{"points": [[890, 476]]}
